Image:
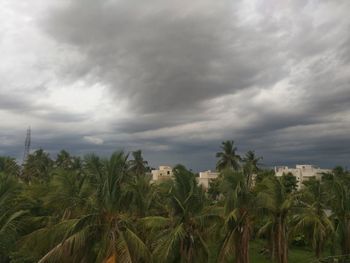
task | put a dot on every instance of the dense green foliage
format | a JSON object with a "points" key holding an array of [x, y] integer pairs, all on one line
{"points": [[93, 209]]}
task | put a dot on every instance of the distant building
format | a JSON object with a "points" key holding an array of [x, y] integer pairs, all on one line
{"points": [[163, 173], [303, 172], [205, 177]]}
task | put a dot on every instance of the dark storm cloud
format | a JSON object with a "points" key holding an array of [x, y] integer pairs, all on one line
{"points": [[167, 56], [183, 76]]}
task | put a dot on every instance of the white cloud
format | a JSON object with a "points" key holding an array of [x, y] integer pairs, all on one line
{"points": [[93, 140]]}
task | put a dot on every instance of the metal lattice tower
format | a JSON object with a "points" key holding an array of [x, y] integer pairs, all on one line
{"points": [[27, 144]]}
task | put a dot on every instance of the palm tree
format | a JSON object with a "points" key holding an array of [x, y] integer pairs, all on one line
{"points": [[238, 216], [273, 198], [103, 230], [290, 182], [228, 157], [10, 216], [38, 165], [263, 174], [214, 190], [340, 203], [251, 161], [138, 165], [64, 160], [9, 166], [251, 166], [141, 194], [180, 235], [68, 194], [312, 218]]}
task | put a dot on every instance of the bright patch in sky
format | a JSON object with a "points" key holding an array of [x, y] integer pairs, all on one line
{"points": [[78, 97], [93, 140]]}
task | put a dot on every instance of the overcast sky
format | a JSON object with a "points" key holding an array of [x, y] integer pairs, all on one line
{"points": [[175, 78]]}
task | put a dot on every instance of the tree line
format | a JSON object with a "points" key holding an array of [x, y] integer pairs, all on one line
{"points": [[96, 209]]}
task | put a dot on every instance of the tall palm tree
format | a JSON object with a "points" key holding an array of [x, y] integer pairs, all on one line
{"points": [[9, 166], [312, 218], [68, 194], [141, 195], [239, 206], [273, 198], [251, 166], [10, 216], [138, 165], [290, 182], [180, 235], [228, 157], [64, 160], [102, 232], [340, 203], [38, 166]]}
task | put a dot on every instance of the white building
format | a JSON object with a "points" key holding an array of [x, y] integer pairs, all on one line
{"points": [[303, 172], [163, 173], [205, 177]]}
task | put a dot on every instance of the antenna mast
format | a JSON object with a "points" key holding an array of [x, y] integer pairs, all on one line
{"points": [[27, 144]]}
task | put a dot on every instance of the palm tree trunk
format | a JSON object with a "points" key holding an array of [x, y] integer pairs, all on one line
{"points": [[182, 250], [281, 243], [272, 245], [318, 249], [333, 247], [189, 254], [242, 244], [285, 244], [278, 245]]}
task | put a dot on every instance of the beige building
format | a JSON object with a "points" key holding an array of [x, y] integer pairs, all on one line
{"points": [[163, 173], [166, 172], [205, 177], [303, 172]]}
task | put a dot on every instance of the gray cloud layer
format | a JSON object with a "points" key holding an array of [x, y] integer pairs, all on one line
{"points": [[179, 77], [167, 56]]}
